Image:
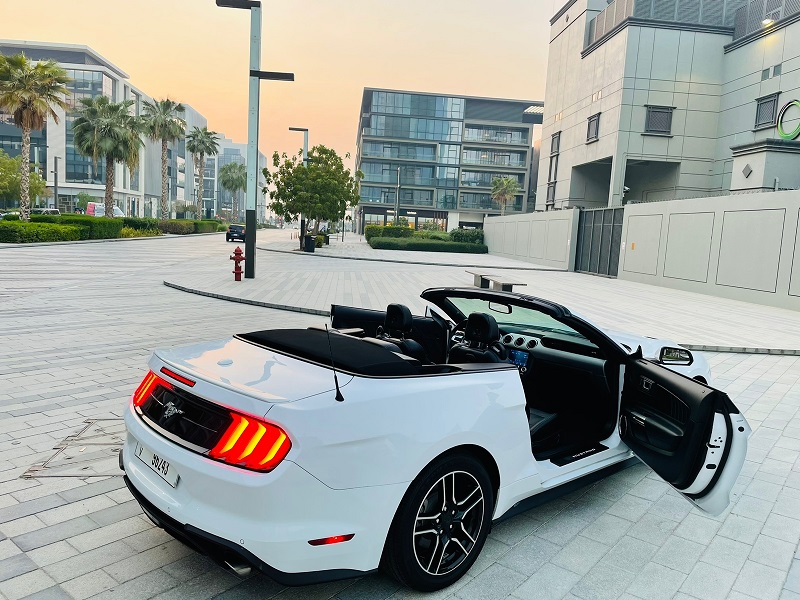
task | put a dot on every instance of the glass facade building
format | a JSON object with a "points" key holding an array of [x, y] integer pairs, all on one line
{"points": [[440, 154]]}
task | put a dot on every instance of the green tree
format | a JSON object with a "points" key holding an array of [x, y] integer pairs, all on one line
{"points": [[11, 180], [162, 122], [504, 190], [30, 92], [201, 143], [323, 191], [107, 130], [82, 200], [233, 177]]}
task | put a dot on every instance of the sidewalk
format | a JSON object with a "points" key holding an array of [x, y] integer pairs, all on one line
{"points": [[352, 273]]}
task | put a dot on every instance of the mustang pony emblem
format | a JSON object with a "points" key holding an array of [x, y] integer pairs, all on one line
{"points": [[170, 409]]}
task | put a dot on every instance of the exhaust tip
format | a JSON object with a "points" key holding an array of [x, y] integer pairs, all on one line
{"points": [[242, 570]]}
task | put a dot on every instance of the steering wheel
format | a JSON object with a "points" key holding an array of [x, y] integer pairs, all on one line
{"points": [[499, 349]]}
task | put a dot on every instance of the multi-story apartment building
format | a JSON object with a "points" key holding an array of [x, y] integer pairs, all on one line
{"points": [[137, 193], [441, 152], [658, 99], [216, 197]]}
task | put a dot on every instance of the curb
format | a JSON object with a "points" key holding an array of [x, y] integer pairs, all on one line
{"points": [[166, 236], [414, 262], [327, 313]]}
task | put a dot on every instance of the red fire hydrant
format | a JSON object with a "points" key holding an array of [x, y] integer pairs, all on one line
{"points": [[237, 259]]}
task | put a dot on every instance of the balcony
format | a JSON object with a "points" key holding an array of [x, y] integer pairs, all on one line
{"points": [[495, 138], [396, 155], [484, 203], [495, 162]]}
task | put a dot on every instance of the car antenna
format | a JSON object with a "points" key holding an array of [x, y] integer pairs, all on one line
{"points": [[339, 397]]}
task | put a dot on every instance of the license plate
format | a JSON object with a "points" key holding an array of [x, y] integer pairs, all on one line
{"points": [[160, 466]]}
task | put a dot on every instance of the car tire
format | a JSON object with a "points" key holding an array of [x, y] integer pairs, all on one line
{"points": [[434, 540]]}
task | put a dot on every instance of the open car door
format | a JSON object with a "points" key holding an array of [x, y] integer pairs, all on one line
{"points": [[691, 435]]}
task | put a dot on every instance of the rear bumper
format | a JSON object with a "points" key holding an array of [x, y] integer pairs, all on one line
{"points": [[226, 553], [264, 520]]}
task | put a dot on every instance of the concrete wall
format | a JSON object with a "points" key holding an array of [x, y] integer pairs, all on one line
{"points": [[543, 238], [741, 246]]}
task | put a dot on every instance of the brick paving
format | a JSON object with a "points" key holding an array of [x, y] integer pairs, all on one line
{"points": [[79, 321]]}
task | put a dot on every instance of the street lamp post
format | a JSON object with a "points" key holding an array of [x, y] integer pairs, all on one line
{"points": [[397, 200], [305, 164], [254, 6]]}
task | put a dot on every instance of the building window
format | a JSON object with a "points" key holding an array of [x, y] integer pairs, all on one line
{"points": [[593, 128], [766, 109], [555, 143], [764, 74], [553, 171], [777, 69], [551, 196], [659, 119]]}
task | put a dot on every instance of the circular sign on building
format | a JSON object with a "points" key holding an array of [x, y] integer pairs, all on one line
{"points": [[788, 121]]}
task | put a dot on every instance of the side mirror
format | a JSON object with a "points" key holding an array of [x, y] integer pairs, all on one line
{"points": [[675, 356]]}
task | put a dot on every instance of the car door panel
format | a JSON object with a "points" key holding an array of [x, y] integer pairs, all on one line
{"points": [[690, 434]]}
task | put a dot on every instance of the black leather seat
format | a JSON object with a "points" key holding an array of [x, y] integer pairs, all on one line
{"points": [[397, 327], [481, 342]]}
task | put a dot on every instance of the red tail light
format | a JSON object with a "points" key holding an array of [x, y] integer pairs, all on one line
{"points": [[334, 539], [251, 443], [177, 377], [150, 382]]}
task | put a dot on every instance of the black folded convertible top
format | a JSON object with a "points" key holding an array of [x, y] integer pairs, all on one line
{"points": [[350, 354]]}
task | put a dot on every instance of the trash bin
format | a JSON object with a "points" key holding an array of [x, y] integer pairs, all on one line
{"points": [[310, 243]]}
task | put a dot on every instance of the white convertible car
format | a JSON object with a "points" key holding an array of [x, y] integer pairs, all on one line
{"points": [[396, 440]]}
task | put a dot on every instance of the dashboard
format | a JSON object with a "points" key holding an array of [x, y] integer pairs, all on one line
{"points": [[518, 346]]}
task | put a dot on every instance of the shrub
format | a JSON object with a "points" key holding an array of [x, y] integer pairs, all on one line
{"points": [[423, 245], [176, 226], [100, 228], [204, 226], [25, 233], [46, 219], [393, 231], [130, 232], [222, 227], [432, 235], [467, 236], [371, 231], [430, 226], [319, 241], [11, 218], [139, 223]]}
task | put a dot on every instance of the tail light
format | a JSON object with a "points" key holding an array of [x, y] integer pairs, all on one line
{"points": [[149, 384], [251, 443]]}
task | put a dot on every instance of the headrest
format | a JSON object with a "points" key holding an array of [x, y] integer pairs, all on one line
{"points": [[398, 318], [481, 328]]}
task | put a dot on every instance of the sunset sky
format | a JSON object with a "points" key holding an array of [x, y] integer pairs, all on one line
{"points": [[196, 53]]}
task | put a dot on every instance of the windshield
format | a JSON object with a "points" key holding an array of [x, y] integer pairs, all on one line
{"points": [[514, 319]]}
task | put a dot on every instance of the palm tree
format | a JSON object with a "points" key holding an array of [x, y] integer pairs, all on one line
{"points": [[107, 130], [504, 190], [163, 123], [233, 177], [201, 143], [31, 92]]}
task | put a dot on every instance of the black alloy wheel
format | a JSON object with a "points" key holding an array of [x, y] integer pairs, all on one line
{"points": [[441, 525]]}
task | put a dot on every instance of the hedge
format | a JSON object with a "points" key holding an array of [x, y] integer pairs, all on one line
{"points": [[468, 236], [25, 233], [130, 232], [97, 228], [140, 224], [432, 235], [177, 226], [10, 217], [388, 231], [205, 226], [423, 245]]}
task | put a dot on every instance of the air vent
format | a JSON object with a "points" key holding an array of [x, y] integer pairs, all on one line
{"points": [[507, 339], [530, 344], [519, 341]]}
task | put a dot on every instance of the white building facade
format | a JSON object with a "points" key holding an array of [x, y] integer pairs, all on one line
{"points": [[651, 100]]}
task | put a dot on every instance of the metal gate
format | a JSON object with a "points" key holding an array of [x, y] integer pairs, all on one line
{"points": [[599, 238]]}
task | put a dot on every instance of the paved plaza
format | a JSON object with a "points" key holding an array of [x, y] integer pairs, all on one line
{"points": [[80, 320]]}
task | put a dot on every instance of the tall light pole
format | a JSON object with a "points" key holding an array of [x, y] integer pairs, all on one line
{"points": [[254, 6], [305, 164], [397, 200]]}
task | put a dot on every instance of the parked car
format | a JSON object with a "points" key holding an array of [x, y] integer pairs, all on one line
{"points": [[45, 211], [235, 232], [396, 440], [98, 209]]}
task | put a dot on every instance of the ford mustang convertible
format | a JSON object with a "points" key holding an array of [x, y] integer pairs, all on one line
{"points": [[393, 440]]}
